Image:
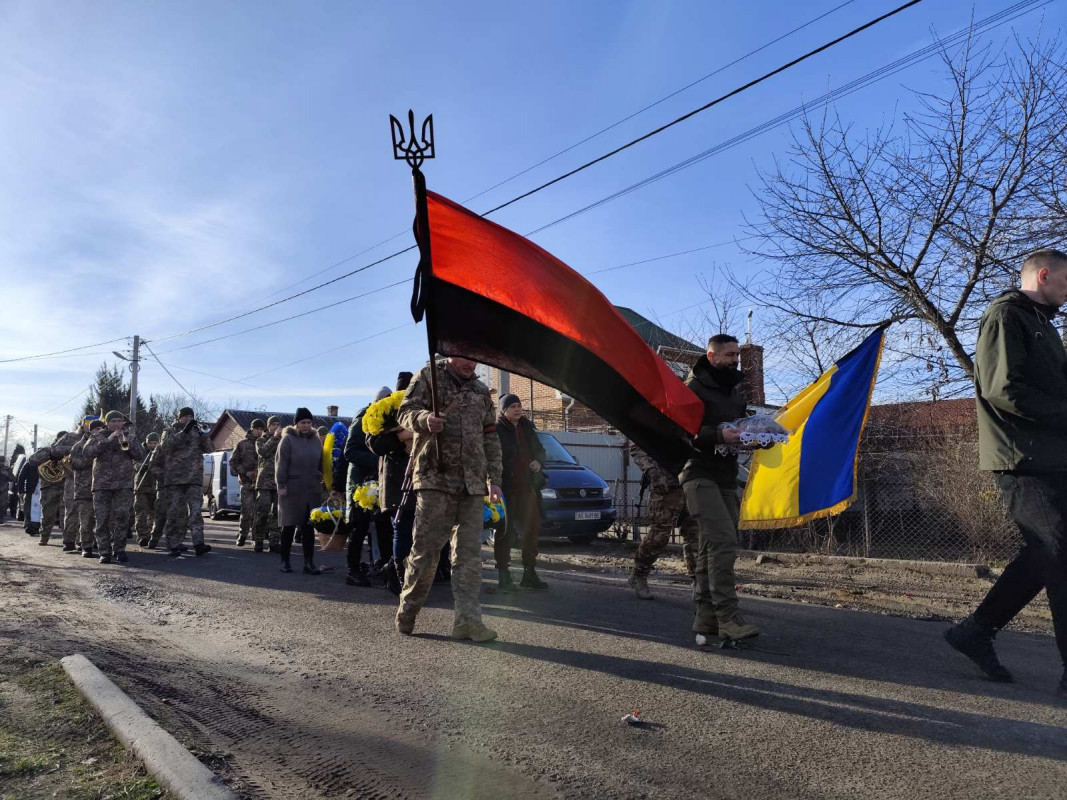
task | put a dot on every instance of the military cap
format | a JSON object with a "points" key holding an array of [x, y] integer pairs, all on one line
{"points": [[60, 435], [185, 411], [258, 423], [273, 421], [96, 424], [111, 416], [152, 437]]}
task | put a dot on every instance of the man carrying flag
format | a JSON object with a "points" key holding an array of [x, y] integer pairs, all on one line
{"points": [[709, 481]]}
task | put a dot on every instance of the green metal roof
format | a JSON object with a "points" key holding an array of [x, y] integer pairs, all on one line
{"points": [[653, 334]]}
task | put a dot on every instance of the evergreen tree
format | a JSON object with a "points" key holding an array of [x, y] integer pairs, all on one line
{"points": [[111, 392]]}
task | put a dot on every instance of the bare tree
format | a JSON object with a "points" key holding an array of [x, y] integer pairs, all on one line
{"points": [[922, 226]]}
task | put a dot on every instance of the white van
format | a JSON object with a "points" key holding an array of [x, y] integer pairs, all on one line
{"points": [[222, 491]]}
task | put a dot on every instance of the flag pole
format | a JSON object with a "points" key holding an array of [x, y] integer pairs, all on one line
{"points": [[414, 149]]}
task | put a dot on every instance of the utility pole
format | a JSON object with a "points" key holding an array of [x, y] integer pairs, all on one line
{"points": [[7, 428], [35, 437], [135, 366]]}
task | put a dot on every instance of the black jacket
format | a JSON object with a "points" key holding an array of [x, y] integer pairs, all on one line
{"points": [[360, 460], [394, 464], [721, 404], [509, 446]]}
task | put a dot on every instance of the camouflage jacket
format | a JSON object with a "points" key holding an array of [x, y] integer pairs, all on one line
{"points": [[112, 466], [660, 481], [83, 470], [184, 456], [243, 460], [146, 479], [469, 445], [65, 446], [157, 463], [266, 448]]}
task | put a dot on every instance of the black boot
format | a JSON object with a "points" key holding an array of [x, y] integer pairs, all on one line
{"points": [[200, 549], [1062, 691], [531, 581], [311, 569], [257, 547], [356, 578], [976, 642], [505, 584], [392, 579], [69, 548], [241, 539], [88, 553], [175, 552]]}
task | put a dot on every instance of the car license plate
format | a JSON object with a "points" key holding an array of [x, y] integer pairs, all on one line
{"points": [[587, 515]]}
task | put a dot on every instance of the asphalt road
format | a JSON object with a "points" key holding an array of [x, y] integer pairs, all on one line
{"points": [[297, 686]]}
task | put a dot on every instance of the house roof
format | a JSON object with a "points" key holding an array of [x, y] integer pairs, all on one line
{"points": [[655, 336], [244, 419]]}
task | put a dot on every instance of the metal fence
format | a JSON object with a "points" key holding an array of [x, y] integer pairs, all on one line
{"points": [[920, 496]]}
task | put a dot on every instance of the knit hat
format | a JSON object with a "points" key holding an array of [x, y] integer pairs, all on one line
{"points": [[322, 430], [383, 393], [96, 424], [60, 435], [509, 400], [302, 414], [403, 381], [258, 423], [152, 437], [111, 416], [185, 411], [273, 421]]}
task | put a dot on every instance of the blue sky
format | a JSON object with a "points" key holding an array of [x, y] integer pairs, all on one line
{"points": [[165, 165]]}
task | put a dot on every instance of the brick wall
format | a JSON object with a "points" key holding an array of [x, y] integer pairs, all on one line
{"points": [[752, 367]]}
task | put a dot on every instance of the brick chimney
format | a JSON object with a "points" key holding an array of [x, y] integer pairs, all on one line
{"points": [[752, 368], [331, 411]]}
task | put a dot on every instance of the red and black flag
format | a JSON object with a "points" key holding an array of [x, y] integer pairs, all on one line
{"points": [[497, 298]]}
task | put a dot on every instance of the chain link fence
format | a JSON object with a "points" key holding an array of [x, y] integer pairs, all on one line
{"points": [[920, 496]]}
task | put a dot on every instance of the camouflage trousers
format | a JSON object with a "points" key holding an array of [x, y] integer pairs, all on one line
{"points": [[715, 509], [248, 510], [144, 509], [51, 503], [184, 505], [113, 508], [159, 522], [266, 524], [664, 510], [85, 513], [441, 517], [71, 523]]}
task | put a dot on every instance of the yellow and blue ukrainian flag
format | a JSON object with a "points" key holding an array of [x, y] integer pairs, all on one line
{"points": [[814, 474]]}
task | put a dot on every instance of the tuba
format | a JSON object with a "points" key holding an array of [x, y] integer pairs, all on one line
{"points": [[51, 473]]}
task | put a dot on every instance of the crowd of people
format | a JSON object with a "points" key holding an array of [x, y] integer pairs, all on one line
{"points": [[438, 460]]}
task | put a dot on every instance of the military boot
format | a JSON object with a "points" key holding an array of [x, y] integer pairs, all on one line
{"points": [[356, 578], [976, 642], [257, 547], [639, 583], [88, 553], [70, 547], [504, 583], [405, 623], [392, 578], [531, 581], [142, 542], [241, 539], [200, 549], [104, 559], [43, 542], [121, 557], [475, 631], [736, 628]]}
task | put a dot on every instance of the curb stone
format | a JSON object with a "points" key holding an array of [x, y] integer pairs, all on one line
{"points": [[171, 764], [928, 567]]}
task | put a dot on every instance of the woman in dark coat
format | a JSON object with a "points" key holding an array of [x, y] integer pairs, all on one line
{"points": [[523, 456], [298, 472]]}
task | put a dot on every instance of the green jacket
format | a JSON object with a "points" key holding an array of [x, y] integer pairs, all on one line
{"points": [[1020, 379], [721, 404]]}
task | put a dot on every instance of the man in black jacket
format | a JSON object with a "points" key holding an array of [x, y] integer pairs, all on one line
{"points": [[362, 466], [1020, 376], [709, 481]]}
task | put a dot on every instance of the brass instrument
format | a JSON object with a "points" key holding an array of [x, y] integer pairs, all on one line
{"points": [[51, 473], [124, 443], [190, 426]]}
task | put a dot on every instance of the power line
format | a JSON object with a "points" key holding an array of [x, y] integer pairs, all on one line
{"points": [[589, 138], [68, 402], [61, 352], [576, 170], [706, 106], [216, 377], [185, 391]]}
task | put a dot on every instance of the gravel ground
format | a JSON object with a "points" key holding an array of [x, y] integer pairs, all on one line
{"points": [[297, 686]]}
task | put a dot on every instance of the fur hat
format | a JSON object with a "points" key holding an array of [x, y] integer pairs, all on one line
{"points": [[302, 414]]}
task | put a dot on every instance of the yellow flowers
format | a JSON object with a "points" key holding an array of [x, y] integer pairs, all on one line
{"points": [[325, 514], [493, 512], [366, 494], [382, 415]]}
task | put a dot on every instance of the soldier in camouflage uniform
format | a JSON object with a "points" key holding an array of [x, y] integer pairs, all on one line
{"points": [[145, 486], [183, 447], [450, 492], [84, 513], [666, 507], [157, 469], [266, 524], [51, 493], [113, 467], [70, 511], [244, 465]]}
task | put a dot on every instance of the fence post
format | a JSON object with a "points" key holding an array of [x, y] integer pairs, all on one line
{"points": [[865, 497]]}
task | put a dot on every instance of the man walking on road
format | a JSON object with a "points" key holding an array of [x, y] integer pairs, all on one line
{"points": [[1020, 376], [244, 464], [709, 481], [266, 522], [456, 458], [145, 485], [183, 448], [113, 456], [666, 503]]}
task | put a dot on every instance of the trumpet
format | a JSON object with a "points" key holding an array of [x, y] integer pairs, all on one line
{"points": [[191, 425], [124, 443]]}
